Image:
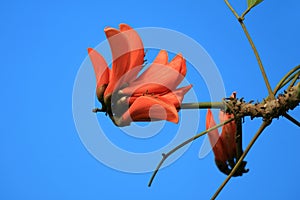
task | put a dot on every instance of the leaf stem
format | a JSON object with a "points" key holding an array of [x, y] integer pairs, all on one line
{"points": [[165, 156], [260, 130], [246, 12]]}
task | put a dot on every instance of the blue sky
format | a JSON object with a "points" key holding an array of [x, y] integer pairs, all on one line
{"points": [[43, 45]]}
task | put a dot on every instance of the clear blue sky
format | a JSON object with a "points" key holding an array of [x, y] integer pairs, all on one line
{"points": [[42, 47]]}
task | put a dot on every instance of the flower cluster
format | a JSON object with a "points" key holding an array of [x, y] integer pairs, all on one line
{"points": [[128, 95]]}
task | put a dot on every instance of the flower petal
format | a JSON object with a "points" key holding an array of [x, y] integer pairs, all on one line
{"points": [[214, 134], [228, 135], [101, 72], [121, 57], [158, 78], [162, 57], [178, 63], [215, 139], [183, 68], [147, 108], [176, 96], [100, 67], [136, 49]]}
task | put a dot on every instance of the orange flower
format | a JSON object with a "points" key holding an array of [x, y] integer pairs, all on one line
{"points": [[224, 145], [101, 71], [127, 97], [228, 135], [218, 144]]}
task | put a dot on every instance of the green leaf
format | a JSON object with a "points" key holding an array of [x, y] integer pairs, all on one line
{"points": [[252, 3]]}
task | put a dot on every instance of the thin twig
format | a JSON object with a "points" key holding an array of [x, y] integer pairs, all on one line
{"points": [[286, 79], [262, 69], [165, 156], [232, 10], [260, 130], [289, 117], [295, 78]]}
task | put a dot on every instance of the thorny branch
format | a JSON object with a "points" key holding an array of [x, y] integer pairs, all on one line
{"points": [[268, 110]]}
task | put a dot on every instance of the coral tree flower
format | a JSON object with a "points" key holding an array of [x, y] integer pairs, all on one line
{"points": [[224, 145], [218, 144], [127, 96]]}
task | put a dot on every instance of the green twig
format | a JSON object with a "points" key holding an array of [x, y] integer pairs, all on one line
{"points": [[232, 10], [165, 156], [260, 130], [262, 69], [287, 78], [295, 78]]}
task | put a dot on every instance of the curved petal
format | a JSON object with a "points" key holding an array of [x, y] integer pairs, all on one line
{"points": [[214, 134], [136, 49], [101, 72], [147, 108], [176, 62], [100, 67], [158, 78], [179, 63], [121, 57], [161, 60], [215, 140], [162, 57], [228, 135], [176, 96], [183, 68]]}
